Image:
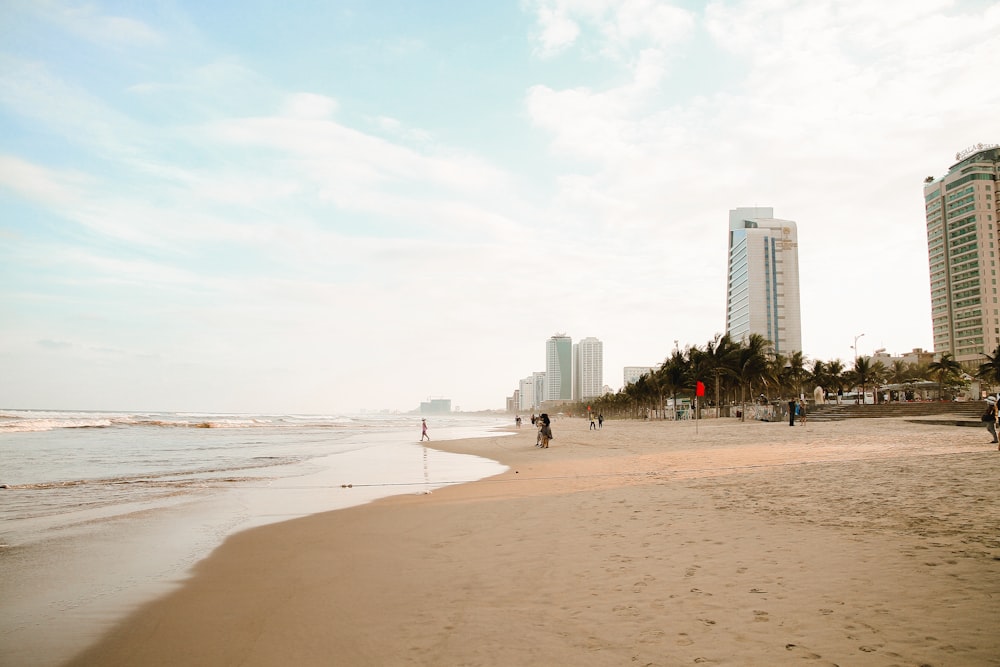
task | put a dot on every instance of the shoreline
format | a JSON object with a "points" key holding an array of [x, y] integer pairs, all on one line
{"points": [[73, 577], [735, 544]]}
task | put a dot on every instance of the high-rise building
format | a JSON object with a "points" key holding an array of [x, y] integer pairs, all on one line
{"points": [[588, 369], [526, 393], [559, 368], [963, 210], [763, 292], [631, 374]]}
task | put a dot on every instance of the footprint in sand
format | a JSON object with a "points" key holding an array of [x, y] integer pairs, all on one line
{"points": [[802, 652]]}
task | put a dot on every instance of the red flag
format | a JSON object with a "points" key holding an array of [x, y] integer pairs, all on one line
{"points": [[699, 388]]}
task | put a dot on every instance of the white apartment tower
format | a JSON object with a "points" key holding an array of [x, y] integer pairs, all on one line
{"points": [[588, 369], [963, 219], [526, 394], [763, 291]]}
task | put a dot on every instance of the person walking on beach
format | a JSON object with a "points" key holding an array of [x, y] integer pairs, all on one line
{"points": [[801, 411], [600, 421], [593, 423], [423, 432], [991, 417], [791, 412], [544, 431]]}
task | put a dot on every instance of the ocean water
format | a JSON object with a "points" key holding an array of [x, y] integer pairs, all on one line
{"points": [[102, 511]]}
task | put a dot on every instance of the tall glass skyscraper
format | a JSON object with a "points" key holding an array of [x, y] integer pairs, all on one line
{"points": [[559, 368], [763, 292], [963, 211]]}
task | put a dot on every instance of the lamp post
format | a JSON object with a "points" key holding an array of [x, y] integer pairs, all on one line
{"points": [[855, 346]]}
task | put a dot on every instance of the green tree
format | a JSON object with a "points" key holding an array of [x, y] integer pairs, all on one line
{"points": [[796, 371], [817, 374], [750, 366], [944, 370], [989, 371], [835, 375], [721, 353], [673, 376], [862, 373]]}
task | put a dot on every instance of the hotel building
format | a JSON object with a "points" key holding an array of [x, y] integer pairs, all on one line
{"points": [[588, 369], [559, 368], [962, 216], [763, 291]]}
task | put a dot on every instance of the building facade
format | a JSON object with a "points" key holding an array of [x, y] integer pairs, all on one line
{"points": [[559, 368], [435, 406], [631, 374], [588, 369], [962, 215], [763, 285], [526, 393]]}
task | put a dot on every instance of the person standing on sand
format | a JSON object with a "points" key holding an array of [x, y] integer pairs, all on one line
{"points": [[991, 417], [593, 424], [801, 407], [423, 432], [791, 412], [544, 431], [600, 421]]}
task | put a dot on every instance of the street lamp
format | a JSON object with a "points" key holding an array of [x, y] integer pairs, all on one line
{"points": [[855, 346]]}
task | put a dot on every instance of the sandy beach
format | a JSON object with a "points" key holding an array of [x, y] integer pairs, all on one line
{"points": [[862, 542]]}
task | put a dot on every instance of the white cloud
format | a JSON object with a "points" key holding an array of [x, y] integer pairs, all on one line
{"points": [[842, 108], [557, 31], [301, 240], [310, 106], [86, 21], [619, 26]]}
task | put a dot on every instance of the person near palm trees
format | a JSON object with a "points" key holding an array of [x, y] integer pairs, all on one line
{"points": [[991, 417]]}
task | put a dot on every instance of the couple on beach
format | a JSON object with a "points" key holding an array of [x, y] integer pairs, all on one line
{"points": [[796, 408], [544, 431]]}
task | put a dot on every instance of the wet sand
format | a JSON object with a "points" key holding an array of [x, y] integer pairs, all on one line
{"points": [[864, 542]]}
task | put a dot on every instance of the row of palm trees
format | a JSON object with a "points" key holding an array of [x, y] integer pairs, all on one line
{"points": [[733, 372]]}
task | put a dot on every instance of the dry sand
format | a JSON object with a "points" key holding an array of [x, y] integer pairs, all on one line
{"points": [[864, 542]]}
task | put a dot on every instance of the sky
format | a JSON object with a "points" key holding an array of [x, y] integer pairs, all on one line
{"points": [[334, 206]]}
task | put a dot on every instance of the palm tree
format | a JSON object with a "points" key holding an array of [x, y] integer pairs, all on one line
{"points": [[818, 374], [835, 374], [777, 373], [945, 369], [989, 371], [720, 353], [751, 365], [673, 375], [899, 374], [878, 375], [796, 371], [862, 373]]}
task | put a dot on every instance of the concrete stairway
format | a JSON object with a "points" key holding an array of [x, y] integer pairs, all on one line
{"points": [[964, 411]]}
